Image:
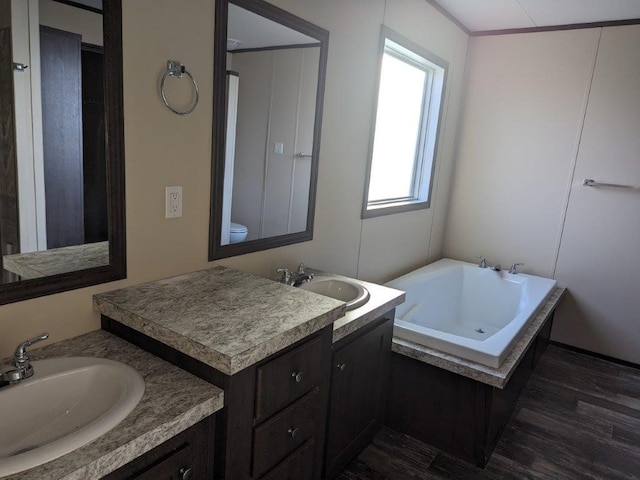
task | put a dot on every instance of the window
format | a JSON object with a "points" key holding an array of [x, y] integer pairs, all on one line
{"points": [[404, 144]]}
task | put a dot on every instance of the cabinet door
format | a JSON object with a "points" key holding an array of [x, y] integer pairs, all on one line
{"points": [[358, 394], [187, 456]]}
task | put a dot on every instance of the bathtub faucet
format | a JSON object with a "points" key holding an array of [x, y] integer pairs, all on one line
{"points": [[496, 268], [483, 261], [514, 268]]}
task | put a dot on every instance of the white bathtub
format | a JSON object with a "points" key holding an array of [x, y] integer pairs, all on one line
{"points": [[461, 309]]}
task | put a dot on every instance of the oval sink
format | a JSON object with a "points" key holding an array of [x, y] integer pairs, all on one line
{"points": [[67, 403], [354, 294]]}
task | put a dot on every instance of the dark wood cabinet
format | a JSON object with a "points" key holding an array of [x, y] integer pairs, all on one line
{"points": [[359, 385], [273, 422], [187, 456], [457, 414]]}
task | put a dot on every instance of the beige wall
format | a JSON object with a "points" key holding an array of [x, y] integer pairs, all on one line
{"points": [[542, 112], [166, 149]]}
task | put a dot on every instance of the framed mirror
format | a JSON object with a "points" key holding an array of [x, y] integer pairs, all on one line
{"points": [[269, 75], [62, 213]]}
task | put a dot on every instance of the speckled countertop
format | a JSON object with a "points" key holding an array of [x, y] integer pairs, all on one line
{"points": [[496, 377], [381, 301], [225, 318], [58, 260], [173, 401]]}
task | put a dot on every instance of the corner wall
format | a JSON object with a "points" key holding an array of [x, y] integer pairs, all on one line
{"points": [[544, 111]]}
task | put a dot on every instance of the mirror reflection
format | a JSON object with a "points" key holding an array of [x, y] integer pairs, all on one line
{"points": [[266, 127], [272, 83], [53, 191]]}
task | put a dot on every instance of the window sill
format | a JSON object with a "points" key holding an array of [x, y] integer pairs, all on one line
{"points": [[393, 208]]}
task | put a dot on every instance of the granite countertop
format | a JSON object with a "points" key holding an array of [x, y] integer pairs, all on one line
{"points": [[381, 301], [173, 401], [57, 260], [496, 377], [225, 318]]}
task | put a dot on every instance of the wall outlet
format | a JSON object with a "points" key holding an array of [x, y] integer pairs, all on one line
{"points": [[278, 148], [173, 202]]}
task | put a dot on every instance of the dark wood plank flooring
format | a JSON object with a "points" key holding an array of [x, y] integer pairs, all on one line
{"points": [[577, 418]]}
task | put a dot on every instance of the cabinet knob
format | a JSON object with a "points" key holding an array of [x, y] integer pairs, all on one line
{"points": [[292, 432], [185, 473], [297, 376], [341, 366]]}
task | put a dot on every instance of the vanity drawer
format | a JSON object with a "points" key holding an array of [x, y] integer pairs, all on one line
{"points": [[298, 466], [288, 377], [283, 433]]}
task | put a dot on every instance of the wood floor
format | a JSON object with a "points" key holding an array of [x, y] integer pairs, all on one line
{"points": [[578, 418]]}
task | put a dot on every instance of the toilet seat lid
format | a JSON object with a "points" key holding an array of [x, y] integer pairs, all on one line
{"points": [[237, 227]]}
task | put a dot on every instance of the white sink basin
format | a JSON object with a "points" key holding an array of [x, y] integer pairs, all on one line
{"points": [[354, 294], [67, 403]]}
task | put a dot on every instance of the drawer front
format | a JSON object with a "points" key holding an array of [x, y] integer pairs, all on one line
{"points": [[288, 377], [173, 467], [283, 433], [298, 466]]}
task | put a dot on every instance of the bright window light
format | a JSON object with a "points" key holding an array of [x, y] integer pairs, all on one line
{"points": [[410, 92]]}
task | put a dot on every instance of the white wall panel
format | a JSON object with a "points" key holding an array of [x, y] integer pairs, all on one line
{"points": [[599, 257], [519, 136]]}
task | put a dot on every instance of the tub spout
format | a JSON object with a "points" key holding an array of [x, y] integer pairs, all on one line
{"points": [[496, 268]]}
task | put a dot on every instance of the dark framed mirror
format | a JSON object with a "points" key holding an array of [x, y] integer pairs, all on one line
{"points": [[62, 191], [269, 76]]}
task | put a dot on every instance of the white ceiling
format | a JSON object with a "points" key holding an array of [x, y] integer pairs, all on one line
{"points": [[255, 31], [483, 15]]}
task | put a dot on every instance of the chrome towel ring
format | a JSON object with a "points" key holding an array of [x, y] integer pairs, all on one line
{"points": [[176, 69]]}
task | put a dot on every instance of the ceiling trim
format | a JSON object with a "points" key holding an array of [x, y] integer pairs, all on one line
{"points": [[553, 28], [80, 5], [448, 14], [511, 31]]}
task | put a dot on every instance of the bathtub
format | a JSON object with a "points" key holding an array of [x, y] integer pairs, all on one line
{"points": [[471, 312]]}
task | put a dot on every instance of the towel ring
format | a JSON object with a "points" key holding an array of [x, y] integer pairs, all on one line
{"points": [[176, 69]]}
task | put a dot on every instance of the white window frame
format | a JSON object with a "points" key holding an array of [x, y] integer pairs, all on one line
{"points": [[394, 44]]}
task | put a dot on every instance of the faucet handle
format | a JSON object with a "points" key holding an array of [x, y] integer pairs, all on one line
{"points": [[300, 269], [483, 261], [20, 357], [286, 275], [514, 268]]}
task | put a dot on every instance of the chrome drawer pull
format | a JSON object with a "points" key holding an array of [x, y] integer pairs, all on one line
{"points": [[341, 366], [292, 432], [185, 473], [297, 376]]}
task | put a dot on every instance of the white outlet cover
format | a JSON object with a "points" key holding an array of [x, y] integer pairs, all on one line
{"points": [[173, 202]]}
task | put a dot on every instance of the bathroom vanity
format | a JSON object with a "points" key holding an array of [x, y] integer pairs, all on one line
{"points": [[270, 347]]}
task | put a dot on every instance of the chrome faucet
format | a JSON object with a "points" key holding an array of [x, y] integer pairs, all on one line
{"points": [[285, 275], [514, 268], [20, 367], [301, 276], [496, 268], [297, 279], [483, 261]]}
